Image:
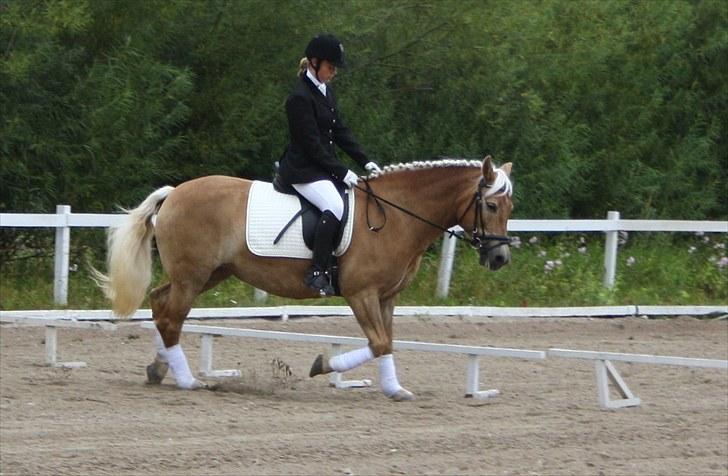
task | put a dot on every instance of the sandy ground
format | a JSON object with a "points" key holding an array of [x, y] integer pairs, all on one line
{"points": [[104, 419]]}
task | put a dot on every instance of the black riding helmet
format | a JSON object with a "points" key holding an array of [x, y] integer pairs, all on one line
{"points": [[326, 47]]}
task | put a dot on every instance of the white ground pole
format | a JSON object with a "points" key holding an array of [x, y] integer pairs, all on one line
{"points": [[473, 352], [51, 335], [206, 359], [606, 371]]}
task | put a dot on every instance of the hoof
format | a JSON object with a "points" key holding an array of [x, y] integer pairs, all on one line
{"points": [[402, 395], [194, 385], [199, 385], [320, 366], [156, 371]]}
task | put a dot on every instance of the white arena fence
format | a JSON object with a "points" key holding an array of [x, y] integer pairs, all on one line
{"points": [[605, 370], [63, 220]]}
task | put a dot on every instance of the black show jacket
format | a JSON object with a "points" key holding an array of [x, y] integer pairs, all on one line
{"points": [[315, 128]]}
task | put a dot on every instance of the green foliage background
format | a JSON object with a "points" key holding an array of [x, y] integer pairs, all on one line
{"points": [[601, 104]]}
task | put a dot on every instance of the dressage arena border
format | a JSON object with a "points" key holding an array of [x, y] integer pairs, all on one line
{"points": [[284, 312], [605, 370], [51, 335]]}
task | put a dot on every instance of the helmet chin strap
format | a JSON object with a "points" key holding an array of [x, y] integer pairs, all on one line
{"points": [[316, 68]]}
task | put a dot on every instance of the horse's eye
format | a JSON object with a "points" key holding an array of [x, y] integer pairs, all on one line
{"points": [[492, 207]]}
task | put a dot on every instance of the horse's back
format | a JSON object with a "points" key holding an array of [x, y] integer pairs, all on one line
{"points": [[204, 216], [200, 195]]}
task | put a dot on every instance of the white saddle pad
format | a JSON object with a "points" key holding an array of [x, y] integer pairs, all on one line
{"points": [[269, 211]]}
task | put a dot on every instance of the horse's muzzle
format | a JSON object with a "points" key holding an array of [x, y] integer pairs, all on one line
{"points": [[495, 256]]}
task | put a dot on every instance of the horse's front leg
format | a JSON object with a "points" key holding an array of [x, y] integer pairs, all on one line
{"points": [[387, 370], [378, 329]]}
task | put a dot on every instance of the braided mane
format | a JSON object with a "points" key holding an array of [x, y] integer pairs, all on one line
{"points": [[501, 185], [429, 164]]}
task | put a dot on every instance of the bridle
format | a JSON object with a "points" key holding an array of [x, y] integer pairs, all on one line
{"points": [[481, 240]]}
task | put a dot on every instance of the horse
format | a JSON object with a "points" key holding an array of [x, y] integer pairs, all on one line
{"points": [[200, 233]]}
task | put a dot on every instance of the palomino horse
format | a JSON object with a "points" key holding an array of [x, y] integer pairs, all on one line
{"points": [[200, 232]]}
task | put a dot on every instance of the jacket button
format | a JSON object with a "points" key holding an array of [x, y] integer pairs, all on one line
{"points": [[334, 121], [331, 142]]}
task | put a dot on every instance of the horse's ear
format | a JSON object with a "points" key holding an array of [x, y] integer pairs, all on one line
{"points": [[488, 172], [507, 168]]}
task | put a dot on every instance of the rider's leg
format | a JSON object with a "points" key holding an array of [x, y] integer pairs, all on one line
{"points": [[323, 194], [316, 276]]}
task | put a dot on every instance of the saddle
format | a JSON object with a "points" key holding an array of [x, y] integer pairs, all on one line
{"points": [[309, 213], [274, 224]]}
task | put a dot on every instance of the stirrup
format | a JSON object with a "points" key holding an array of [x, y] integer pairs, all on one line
{"points": [[319, 281]]}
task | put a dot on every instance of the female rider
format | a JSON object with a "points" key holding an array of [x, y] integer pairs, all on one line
{"points": [[310, 163]]}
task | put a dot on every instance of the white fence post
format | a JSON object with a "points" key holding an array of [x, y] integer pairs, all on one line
{"points": [[63, 247], [610, 252], [259, 295], [446, 259]]}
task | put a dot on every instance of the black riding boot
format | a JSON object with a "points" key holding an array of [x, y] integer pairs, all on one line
{"points": [[317, 276]]}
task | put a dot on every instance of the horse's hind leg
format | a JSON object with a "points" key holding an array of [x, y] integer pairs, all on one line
{"points": [[170, 305], [157, 370]]}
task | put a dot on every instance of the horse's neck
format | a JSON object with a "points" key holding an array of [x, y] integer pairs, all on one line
{"points": [[437, 195]]}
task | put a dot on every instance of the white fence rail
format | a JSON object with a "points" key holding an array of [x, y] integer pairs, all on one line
{"points": [[63, 220]]}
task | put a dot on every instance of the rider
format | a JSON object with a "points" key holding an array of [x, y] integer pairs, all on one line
{"points": [[310, 163]]}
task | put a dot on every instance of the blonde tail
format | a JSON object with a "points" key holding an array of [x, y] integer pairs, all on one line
{"points": [[129, 256]]}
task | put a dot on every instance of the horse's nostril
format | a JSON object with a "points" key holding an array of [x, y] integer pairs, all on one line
{"points": [[497, 261]]}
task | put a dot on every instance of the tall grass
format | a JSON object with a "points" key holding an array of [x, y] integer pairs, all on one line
{"points": [[546, 270]]}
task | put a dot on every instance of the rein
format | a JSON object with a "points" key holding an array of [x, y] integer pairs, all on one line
{"points": [[477, 240]]}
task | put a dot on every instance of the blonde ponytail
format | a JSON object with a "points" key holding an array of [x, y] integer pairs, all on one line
{"points": [[302, 66]]}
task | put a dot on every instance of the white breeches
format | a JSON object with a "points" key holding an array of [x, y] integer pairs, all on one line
{"points": [[323, 195]]}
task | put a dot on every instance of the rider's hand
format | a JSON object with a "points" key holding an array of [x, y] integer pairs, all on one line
{"points": [[373, 168], [351, 179]]}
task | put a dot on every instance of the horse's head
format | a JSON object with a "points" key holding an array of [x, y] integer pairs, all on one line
{"points": [[486, 219]]}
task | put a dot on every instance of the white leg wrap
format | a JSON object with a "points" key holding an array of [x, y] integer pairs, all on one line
{"points": [[351, 359], [159, 345], [388, 375], [179, 367]]}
